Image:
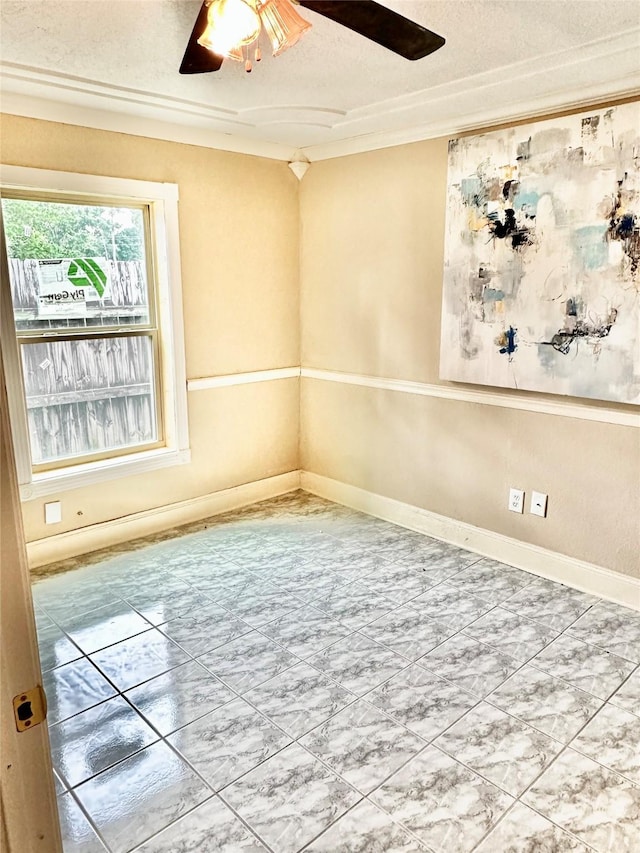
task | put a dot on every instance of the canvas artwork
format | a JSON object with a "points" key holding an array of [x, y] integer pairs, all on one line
{"points": [[542, 257]]}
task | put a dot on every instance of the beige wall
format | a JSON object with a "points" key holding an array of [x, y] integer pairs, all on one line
{"points": [[239, 250], [371, 251], [371, 280]]}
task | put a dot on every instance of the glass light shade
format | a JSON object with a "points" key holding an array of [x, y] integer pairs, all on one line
{"points": [[231, 24], [283, 24]]}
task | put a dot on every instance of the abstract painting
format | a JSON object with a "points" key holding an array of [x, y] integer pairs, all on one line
{"points": [[542, 257]]}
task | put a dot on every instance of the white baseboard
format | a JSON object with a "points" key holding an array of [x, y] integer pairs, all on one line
{"points": [[96, 536], [587, 577]]}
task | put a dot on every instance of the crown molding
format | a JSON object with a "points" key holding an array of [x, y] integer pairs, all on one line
{"points": [[600, 71], [469, 104], [135, 125], [474, 121]]}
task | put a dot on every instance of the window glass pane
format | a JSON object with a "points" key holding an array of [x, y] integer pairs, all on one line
{"points": [[89, 396], [75, 266]]}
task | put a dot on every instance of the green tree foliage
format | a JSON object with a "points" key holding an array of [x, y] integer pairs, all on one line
{"points": [[39, 229]]}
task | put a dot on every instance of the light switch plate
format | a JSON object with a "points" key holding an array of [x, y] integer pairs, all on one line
{"points": [[53, 512], [538, 504]]}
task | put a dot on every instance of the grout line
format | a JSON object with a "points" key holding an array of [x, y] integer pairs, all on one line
{"points": [[86, 814]]}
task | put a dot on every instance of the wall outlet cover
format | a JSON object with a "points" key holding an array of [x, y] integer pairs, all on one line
{"points": [[538, 504], [516, 500], [53, 512]]}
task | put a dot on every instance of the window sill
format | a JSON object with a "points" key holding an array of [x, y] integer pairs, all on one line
{"points": [[91, 473]]}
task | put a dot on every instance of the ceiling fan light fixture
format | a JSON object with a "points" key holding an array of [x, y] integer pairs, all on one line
{"points": [[231, 25], [282, 23]]}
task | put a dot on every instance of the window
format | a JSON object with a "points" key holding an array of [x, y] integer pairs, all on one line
{"points": [[93, 281]]}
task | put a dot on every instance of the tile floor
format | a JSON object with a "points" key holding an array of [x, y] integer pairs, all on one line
{"points": [[298, 676]]}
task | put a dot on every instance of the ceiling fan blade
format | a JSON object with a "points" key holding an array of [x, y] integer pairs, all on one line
{"points": [[381, 25], [197, 59]]}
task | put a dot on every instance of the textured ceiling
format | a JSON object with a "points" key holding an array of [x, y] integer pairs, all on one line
{"points": [[84, 60]]}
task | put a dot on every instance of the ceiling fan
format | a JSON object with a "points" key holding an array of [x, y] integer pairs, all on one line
{"points": [[214, 39]]}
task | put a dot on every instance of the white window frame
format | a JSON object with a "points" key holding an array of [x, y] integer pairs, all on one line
{"points": [[162, 200]]}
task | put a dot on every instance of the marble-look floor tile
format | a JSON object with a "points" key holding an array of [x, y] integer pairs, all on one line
{"points": [[612, 738], [355, 605], [522, 830], [365, 829], [358, 663], [491, 580], [362, 745], [88, 743], [422, 701], [309, 582], [438, 572], [247, 588], [140, 796], [305, 631], [242, 554], [206, 629], [446, 805], [198, 569], [228, 742], [351, 564], [597, 805], [392, 544], [247, 560], [591, 669], [470, 664], [550, 603], [134, 661], [408, 631], [248, 661], [261, 604], [299, 699], [153, 586], [54, 646], [440, 562], [400, 583], [510, 633], [180, 696], [628, 696], [164, 608], [416, 544], [302, 549], [451, 605], [501, 748], [281, 559], [78, 836], [611, 627], [73, 688], [313, 543], [71, 593], [104, 626], [213, 573], [290, 799], [546, 703], [233, 541], [211, 828]]}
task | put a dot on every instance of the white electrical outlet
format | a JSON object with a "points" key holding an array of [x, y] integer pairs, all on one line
{"points": [[538, 504], [53, 512], [516, 500]]}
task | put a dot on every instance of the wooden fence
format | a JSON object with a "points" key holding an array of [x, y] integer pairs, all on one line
{"points": [[87, 396]]}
